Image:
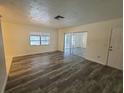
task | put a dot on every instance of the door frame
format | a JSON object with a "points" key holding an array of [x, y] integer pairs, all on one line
{"points": [[109, 43]]}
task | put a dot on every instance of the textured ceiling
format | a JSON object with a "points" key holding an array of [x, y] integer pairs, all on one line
{"points": [[76, 12]]}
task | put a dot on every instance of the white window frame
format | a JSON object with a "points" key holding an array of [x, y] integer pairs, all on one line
{"points": [[41, 40]]}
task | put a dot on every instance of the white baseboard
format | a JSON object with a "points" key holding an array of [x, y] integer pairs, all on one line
{"points": [[96, 61]]}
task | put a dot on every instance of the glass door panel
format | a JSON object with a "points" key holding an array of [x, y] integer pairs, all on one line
{"points": [[75, 43], [68, 45]]}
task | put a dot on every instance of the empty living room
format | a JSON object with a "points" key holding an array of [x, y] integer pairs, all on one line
{"points": [[61, 46]]}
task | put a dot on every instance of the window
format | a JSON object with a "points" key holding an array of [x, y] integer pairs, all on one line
{"points": [[34, 40], [84, 39], [43, 39]]}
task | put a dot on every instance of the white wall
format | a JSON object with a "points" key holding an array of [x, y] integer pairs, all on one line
{"points": [[97, 41], [16, 40]]}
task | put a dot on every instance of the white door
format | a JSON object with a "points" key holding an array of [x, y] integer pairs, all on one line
{"points": [[115, 57]]}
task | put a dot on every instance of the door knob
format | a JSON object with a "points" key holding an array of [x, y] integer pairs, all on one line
{"points": [[110, 47]]}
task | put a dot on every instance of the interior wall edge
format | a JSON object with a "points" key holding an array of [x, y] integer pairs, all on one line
{"points": [[110, 21], [3, 71], [4, 85], [31, 54], [28, 24], [93, 60]]}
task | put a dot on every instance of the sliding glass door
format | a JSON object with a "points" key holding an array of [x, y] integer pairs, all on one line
{"points": [[68, 44], [75, 43]]}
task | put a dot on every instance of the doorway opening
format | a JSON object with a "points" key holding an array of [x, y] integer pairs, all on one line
{"points": [[75, 43]]}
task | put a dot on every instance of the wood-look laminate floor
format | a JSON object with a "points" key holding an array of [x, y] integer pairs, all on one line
{"points": [[56, 73]]}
